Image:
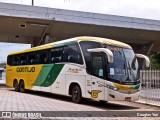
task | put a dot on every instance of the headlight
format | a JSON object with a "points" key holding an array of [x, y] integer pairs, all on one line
{"points": [[112, 87]]}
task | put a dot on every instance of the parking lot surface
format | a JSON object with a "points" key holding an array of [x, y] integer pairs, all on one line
{"points": [[42, 101]]}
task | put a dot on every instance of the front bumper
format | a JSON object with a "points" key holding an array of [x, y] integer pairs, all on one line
{"points": [[118, 96]]}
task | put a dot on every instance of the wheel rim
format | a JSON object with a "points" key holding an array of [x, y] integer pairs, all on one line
{"points": [[22, 89], [16, 86], [22, 86], [75, 94]]}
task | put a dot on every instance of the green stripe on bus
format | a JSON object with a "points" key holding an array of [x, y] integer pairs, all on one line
{"points": [[50, 73], [43, 74], [137, 86]]}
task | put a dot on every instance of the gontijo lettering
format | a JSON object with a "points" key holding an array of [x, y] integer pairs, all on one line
{"points": [[25, 69]]}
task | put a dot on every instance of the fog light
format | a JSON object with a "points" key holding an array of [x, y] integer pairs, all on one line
{"points": [[111, 95], [112, 87]]}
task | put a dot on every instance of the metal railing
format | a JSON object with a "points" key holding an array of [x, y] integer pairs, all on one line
{"points": [[150, 83]]}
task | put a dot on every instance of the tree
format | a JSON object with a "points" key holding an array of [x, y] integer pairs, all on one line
{"points": [[155, 60]]}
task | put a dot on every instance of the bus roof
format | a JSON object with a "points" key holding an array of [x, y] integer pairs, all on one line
{"points": [[105, 41], [81, 38]]}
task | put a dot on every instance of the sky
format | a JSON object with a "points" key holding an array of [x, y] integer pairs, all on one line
{"points": [[6, 48], [149, 9]]}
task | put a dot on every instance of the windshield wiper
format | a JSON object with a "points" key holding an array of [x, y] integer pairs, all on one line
{"points": [[133, 63], [131, 71]]}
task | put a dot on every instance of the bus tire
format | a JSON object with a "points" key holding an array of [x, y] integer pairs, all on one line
{"points": [[22, 86], [16, 85], [76, 94], [103, 102]]}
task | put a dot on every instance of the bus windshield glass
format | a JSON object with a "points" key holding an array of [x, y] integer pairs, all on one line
{"points": [[124, 67]]}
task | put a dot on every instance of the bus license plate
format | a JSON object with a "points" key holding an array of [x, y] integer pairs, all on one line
{"points": [[128, 99]]}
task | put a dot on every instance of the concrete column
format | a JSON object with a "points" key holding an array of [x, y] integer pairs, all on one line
{"points": [[32, 43], [35, 42], [46, 39]]}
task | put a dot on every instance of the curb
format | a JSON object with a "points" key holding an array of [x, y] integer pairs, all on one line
{"points": [[154, 105]]}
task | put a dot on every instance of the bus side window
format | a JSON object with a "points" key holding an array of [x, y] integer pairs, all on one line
{"points": [[23, 59], [72, 54], [16, 60], [56, 55], [32, 58], [43, 57], [10, 60]]}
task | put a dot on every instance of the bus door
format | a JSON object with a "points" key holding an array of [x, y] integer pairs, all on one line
{"points": [[98, 70]]}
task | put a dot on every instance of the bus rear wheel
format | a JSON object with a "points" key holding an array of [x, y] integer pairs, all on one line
{"points": [[16, 86], [76, 94], [22, 86]]}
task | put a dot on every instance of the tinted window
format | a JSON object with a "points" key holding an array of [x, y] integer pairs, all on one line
{"points": [[23, 59], [97, 66], [72, 54], [16, 60], [32, 58], [43, 57], [56, 55], [9, 60], [87, 55]]}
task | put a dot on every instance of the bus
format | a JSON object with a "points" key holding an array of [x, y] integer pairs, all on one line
{"points": [[82, 67]]}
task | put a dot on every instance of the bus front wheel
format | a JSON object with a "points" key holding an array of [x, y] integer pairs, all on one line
{"points": [[103, 102], [76, 94], [22, 86]]}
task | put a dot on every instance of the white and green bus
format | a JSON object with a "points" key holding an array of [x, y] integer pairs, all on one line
{"points": [[82, 67]]}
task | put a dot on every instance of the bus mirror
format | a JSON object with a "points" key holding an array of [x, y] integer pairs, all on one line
{"points": [[147, 61], [105, 50]]}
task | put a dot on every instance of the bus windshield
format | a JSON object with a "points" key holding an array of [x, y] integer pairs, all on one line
{"points": [[124, 67]]}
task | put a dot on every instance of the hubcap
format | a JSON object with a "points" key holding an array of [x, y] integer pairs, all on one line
{"points": [[22, 86], [16, 86], [75, 94]]}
